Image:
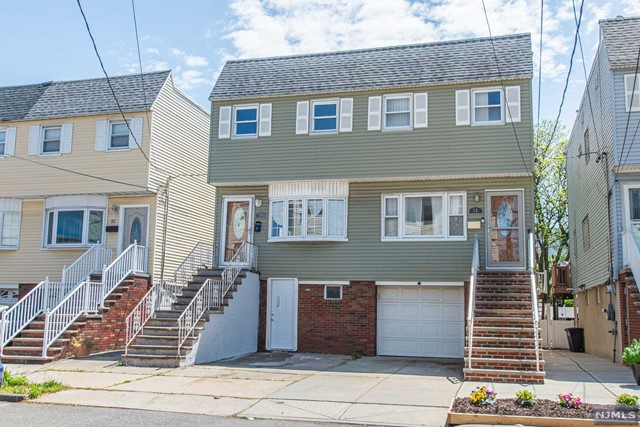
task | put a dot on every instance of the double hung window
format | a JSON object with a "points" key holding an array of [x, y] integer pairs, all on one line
{"points": [[74, 227], [245, 121], [397, 111], [9, 230], [119, 135], [3, 141], [308, 218], [325, 116], [436, 216], [488, 106], [51, 137]]}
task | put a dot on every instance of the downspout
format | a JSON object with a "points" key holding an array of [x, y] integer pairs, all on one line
{"points": [[165, 225]]}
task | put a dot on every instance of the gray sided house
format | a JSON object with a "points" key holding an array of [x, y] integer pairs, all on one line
{"points": [[603, 178], [365, 177]]}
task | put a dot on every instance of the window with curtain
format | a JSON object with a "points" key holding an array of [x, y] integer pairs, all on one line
{"points": [[423, 216], [487, 106], [9, 230], [74, 227], [308, 218], [51, 139], [397, 112]]}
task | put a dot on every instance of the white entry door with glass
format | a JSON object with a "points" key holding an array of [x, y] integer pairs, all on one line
{"points": [[135, 223], [236, 226], [505, 229]]}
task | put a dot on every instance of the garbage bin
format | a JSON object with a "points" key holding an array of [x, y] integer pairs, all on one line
{"points": [[576, 339]]}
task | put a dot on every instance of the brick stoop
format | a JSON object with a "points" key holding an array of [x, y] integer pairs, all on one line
{"points": [[157, 344], [503, 347], [106, 329]]}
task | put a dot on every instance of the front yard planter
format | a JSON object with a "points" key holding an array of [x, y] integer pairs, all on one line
{"points": [[545, 413]]}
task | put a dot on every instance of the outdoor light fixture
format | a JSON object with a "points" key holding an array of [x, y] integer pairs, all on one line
{"points": [[114, 209], [476, 197]]}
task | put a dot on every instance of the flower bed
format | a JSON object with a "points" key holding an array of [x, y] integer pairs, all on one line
{"points": [[542, 408]]}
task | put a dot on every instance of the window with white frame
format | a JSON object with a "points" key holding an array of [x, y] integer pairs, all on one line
{"points": [[333, 292], [488, 106], [324, 116], [632, 92], [50, 142], [431, 216], [74, 227], [3, 141], [308, 218], [118, 135], [9, 230], [397, 111], [245, 120]]}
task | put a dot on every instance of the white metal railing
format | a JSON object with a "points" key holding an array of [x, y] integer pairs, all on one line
{"points": [[534, 297], [45, 295], [201, 256], [160, 297], [85, 298], [92, 261], [475, 265], [212, 293], [89, 296]]}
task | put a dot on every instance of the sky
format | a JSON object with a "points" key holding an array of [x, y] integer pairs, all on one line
{"points": [[194, 38]]}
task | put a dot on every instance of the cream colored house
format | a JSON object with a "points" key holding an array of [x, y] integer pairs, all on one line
{"points": [[74, 172]]}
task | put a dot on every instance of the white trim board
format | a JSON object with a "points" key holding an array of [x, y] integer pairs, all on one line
{"points": [[324, 282], [425, 283]]}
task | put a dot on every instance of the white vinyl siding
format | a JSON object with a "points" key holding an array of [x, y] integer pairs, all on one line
{"points": [[632, 92], [430, 216], [308, 218]]}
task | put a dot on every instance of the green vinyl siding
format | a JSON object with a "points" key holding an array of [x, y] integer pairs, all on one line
{"points": [[441, 149], [364, 256]]}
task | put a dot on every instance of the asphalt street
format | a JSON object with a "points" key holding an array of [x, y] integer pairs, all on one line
{"points": [[30, 414]]}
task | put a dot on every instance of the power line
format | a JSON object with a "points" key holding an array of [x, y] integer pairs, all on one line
{"points": [[95, 49], [144, 93], [495, 56]]}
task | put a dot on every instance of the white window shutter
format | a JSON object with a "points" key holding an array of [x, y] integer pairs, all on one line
{"points": [[66, 138], [136, 133], [375, 113], [102, 127], [10, 142], [346, 114], [224, 123], [512, 95], [631, 93], [420, 110], [302, 117], [463, 109], [34, 140], [265, 120]]}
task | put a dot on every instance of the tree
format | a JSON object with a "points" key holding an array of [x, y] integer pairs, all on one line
{"points": [[550, 180]]}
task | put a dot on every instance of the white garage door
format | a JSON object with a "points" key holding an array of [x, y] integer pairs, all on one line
{"points": [[421, 321]]}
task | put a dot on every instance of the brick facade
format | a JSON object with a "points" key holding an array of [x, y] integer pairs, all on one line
{"points": [[24, 289], [347, 326]]}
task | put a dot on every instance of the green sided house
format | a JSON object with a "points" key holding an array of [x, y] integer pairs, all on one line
{"points": [[382, 187]]}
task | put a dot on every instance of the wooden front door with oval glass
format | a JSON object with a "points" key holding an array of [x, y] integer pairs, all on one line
{"points": [[236, 227], [135, 222], [505, 230]]}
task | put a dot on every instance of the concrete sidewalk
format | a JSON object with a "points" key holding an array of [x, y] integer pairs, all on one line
{"points": [[371, 390]]}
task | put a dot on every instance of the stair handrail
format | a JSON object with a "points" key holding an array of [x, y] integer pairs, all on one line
{"points": [[84, 299], [475, 266], [92, 261], [212, 293], [534, 297], [43, 296], [202, 255], [132, 260], [159, 297]]}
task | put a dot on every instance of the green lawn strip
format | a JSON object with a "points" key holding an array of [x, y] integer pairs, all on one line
{"points": [[21, 385]]}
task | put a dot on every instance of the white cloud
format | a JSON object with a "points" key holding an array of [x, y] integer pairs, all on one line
{"points": [[190, 60], [188, 79], [152, 50]]}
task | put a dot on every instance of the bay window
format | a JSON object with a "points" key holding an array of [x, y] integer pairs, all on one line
{"points": [[74, 227], [308, 218], [433, 216]]}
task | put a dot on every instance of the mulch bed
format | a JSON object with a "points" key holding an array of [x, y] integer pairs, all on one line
{"points": [[542, 408]]}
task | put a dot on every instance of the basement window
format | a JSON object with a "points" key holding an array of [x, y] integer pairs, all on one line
{"points": [[332, 292]]}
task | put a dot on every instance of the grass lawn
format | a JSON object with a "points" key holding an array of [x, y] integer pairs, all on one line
{"points": [[20, 385]]}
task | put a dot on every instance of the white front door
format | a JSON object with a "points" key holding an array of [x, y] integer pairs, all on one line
{"points": [[282, 314], [134, 226], [236, 226], [422, 321]]}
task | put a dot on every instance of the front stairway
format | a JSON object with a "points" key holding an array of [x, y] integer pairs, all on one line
{"points": [[500, 341], [157, 343]]}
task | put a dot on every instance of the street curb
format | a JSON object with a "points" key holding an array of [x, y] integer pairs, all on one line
{"points": [[7, 397]]}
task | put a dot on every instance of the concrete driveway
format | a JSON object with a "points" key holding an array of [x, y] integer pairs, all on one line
{"points": [[370, 390]]}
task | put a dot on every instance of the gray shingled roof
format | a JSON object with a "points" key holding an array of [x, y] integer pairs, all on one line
{"points": [[16, 101], [439, 63], [622, 39], [80, 97]]}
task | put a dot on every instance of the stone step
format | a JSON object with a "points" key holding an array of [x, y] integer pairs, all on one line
{"points": [[503, 332], [36, 342], [165, 340], [503, 375], [168, 314], [156, 361], [517, 322], [502, 352], [32, 360], [158, 350], [505, 364], [165, 331], [503, 342], [500, 312], [30, 351]]}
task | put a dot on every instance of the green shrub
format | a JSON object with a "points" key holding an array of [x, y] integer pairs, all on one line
{"points": [[568, 303], [626, 399], [20, 385], [631, 354], [526, 398]]}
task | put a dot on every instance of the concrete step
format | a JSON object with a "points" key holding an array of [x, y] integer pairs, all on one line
{"points": [[505, 364], [168, 314], [30, 351], [158, 350], [166, 331], [31, 360], [157, 361], [163, 340], [503, 375], [36, 342]]}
